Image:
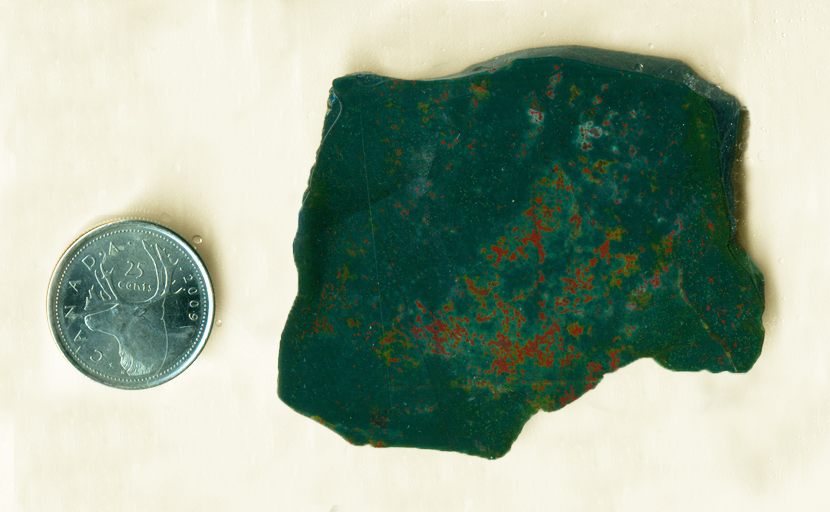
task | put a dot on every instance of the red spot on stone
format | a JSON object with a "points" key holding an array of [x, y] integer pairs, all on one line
{"points": [[575, 330], [603, 251]]}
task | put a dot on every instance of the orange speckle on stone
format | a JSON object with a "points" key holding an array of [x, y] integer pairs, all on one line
{"points": [[575, 330]]}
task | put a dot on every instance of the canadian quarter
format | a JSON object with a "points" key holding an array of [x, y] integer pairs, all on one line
{"points": [[130, 304]]}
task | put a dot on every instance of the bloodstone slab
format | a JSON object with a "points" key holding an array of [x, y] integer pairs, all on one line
{"points": [[476, 248]]}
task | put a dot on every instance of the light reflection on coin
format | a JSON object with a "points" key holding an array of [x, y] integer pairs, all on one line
{"points": [[130, 304]]}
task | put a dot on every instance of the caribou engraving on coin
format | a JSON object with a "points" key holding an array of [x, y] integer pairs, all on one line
{"points": [[130, 304], [132, 324]]}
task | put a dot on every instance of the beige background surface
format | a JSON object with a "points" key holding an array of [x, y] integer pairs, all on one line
{"points": [[205, 115]]}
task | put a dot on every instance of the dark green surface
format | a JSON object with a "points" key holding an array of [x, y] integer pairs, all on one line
{"points": [[477, 248]]}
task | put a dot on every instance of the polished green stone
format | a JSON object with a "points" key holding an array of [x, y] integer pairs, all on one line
{"points": [[476, 248]]}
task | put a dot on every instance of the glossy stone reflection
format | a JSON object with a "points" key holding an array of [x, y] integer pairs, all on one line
{"points": [[476, 248]]}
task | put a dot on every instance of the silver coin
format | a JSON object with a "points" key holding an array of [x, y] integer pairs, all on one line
{"points": [[130, 304]]}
